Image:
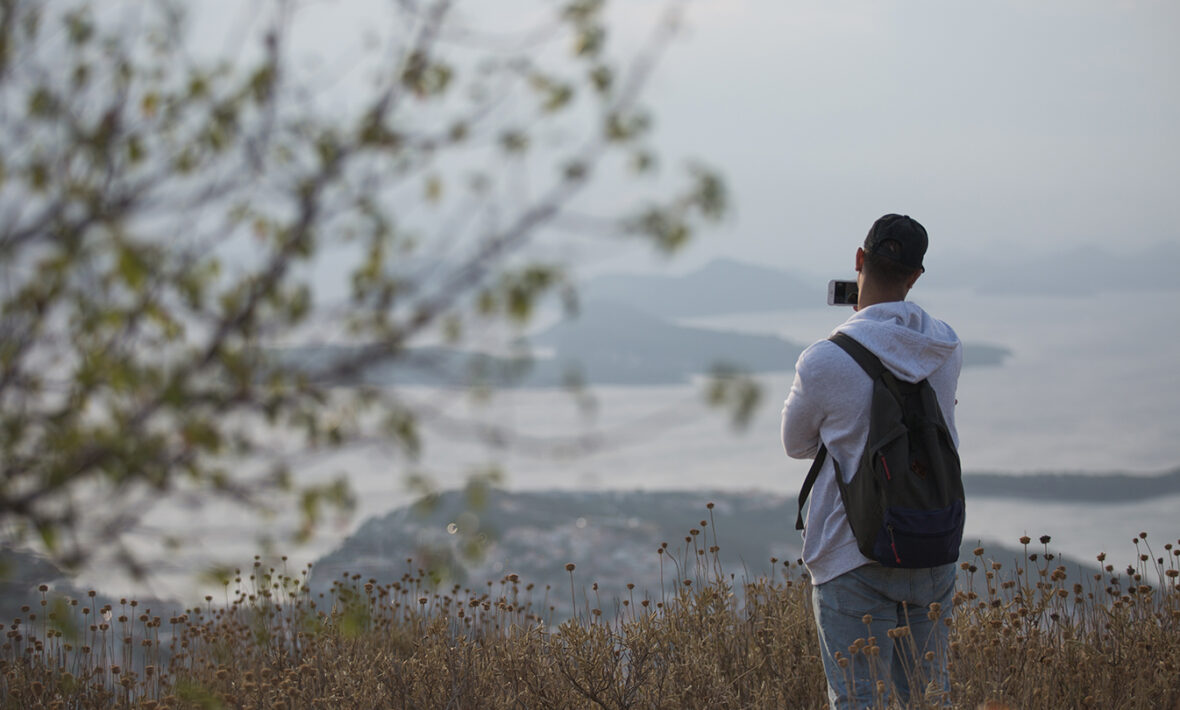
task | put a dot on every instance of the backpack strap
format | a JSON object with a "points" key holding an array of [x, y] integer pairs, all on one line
{"points": [[809, 482], [871, 364], [868, 362]]}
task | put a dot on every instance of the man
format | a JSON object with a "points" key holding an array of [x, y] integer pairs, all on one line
{"points": [[856, 599]]}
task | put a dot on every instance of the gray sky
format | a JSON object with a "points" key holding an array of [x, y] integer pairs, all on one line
{"points": [[1034, 124], [999, 125]]}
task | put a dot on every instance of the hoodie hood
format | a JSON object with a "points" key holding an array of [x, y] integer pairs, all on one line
{"points": [[906, 339]]}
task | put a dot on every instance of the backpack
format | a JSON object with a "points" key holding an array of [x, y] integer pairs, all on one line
{"points": [[905, 503]]}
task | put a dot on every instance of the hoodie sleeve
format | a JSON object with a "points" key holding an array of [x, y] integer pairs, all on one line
{"points": [[802, 414]]}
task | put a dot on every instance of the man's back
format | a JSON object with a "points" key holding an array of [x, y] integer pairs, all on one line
{"points": [[855, 598], [829, 400]]}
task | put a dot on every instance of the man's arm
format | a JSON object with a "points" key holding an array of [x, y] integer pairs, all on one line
{"points": [[802, 414]]}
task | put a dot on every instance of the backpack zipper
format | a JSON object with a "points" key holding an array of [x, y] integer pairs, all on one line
{"points": [[893, 544], [885, 465]]}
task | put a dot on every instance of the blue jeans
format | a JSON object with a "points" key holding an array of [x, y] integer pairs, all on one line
{"points": [[873, 602]]}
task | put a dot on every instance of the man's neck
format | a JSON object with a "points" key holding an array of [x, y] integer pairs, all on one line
{"points": [[871, 297]]}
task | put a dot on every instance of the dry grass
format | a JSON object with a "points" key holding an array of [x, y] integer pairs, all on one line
{"points": [[1032, 639]]}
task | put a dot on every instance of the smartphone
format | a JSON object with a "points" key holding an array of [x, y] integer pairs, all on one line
{"points": [[841, 293]]}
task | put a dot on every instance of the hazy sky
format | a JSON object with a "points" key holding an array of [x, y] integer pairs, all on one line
{"points": [[1040, 124], [1004, 125]]}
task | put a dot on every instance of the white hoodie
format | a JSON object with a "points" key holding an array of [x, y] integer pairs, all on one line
{"points": [[829, 402]]}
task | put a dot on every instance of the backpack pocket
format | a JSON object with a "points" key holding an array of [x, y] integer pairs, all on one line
{"points": [[920, 538]]}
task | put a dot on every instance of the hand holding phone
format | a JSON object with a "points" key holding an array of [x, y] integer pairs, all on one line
{"points": [[842, 293]]}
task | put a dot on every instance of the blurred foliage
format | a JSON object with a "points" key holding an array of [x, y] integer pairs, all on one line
{"points": [[169, 220]]}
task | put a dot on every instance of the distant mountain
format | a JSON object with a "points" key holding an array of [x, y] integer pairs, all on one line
{"points": [[610, 537], [617, 344], [1073, 488], [979, 355], [23, 572], [620, 344], [722, 286], [727, 286], [607, 343]]}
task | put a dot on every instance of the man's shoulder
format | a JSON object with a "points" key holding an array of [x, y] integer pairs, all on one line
{"points": [[822, 358]]}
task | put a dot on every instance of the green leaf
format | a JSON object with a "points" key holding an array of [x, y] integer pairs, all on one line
{"points": [[195, 693], [557, 97], [589, 41], [642, 161], [514, 141], [149, 104], [710, 195], [48, 534], [434, 188], [262, 82], [580, 11], [355, 620], [731, 389], [402, 426], [43, 103], [39, 175], [602, 78], [622, 127], [62, 620], [79, 27], [132, 268]]}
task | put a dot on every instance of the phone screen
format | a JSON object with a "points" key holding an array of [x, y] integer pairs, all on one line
{"points": [[842, 293]]}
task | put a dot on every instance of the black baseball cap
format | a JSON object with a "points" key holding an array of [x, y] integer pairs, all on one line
{"points": [[903, 229]]}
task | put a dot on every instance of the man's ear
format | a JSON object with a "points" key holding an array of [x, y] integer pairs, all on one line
{"points": [[860, 258]]}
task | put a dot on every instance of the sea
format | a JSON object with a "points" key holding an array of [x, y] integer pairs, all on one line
{"points": [[1090, 387]]}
